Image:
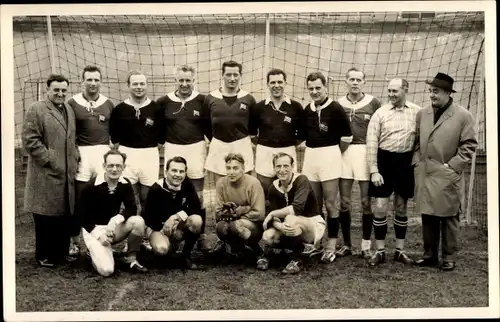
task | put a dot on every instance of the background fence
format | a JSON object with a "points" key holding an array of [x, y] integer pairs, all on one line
{"points": [[413, 45]]}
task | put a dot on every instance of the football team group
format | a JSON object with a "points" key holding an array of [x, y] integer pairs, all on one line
{"points": [[93, 170]]}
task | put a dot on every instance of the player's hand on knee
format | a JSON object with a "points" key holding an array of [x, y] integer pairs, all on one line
{"points": [[105, 240], [268, 221], [291, 230], [377, 179]]}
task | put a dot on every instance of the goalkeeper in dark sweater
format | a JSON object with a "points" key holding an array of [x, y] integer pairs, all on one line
{"points": [[294, 221], [172, 212]]}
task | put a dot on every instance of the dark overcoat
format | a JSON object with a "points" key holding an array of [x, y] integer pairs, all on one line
{"points": [[52, 159], [440, 189]]}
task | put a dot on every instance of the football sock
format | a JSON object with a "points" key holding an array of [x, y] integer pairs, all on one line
{"points": [[345, 224], [380, 228], [189, 242], [203, 215], [333, 227], [400, 226], [366, 223]]}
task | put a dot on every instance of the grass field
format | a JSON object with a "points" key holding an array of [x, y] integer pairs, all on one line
{"points": [[348, 283], [229, 285]]}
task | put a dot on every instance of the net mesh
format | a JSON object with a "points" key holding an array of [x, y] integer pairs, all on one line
{"points": [[414, 46]]}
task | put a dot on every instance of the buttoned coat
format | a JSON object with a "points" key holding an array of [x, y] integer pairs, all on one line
{"points": [[52, 159], [440, 189]]}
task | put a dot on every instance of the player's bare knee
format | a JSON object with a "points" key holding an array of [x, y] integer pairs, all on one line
{"points": [[238, 228], [105, 270], [222, 228], [137, 224], [161, 249], [194, 223], [270, 237], [366, 205], [290, 219], [380, 209], [345, 203]]}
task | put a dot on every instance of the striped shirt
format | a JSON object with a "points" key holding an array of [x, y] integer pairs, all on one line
{"points": [[391, 129]]}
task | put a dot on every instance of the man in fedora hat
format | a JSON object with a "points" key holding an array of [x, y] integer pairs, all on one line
{"points": [[447, 139]]}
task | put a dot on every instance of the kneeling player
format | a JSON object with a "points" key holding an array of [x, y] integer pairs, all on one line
{"points": [[295, 221], [172, 212], [240, 209], [103, 225]]}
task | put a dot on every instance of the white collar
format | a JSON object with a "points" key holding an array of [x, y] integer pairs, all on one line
{"points": [[319, 108], [218, 94], [130, 102], [175, 98], [285, 99], [345, 102], [81, 100], [278, 187], [100, 179]]}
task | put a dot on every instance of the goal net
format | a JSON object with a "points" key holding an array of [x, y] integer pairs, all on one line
{"points": [[412, 45]]}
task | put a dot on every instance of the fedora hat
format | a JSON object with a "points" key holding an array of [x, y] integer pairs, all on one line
{"points": [[442, 81]]}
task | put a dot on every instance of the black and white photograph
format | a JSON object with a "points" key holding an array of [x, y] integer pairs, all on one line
{"points": [[235, 161]]}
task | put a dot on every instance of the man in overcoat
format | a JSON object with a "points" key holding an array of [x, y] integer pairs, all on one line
{"points": [[447, 139], [49, 139]]}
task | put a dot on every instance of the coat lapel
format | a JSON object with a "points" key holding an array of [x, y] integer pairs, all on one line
{"points": [[446, 115], [56, 114], [426, 124]]}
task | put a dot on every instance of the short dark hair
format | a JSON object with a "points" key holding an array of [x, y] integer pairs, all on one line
{"points": [[176, 159], [314, 76], [235, 156], [276, 71], [231, 63], [132, 73], [56, 78], [115, 152], [354, 69], [90, 69], [280, 155]]}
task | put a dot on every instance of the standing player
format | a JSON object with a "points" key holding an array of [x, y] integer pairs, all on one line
{"points": [[187, 122], [277, 119], [360, 108], [389, 146], [230, 108], [295, 221], [327, 133], [136, 128], [92, 113]]}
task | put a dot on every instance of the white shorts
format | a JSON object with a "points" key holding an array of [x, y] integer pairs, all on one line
{"points": [[219, 150], [91, 161], [142, 165], [322, 164], [195, 155], [355, 164], [319, 225], [264, 159]]}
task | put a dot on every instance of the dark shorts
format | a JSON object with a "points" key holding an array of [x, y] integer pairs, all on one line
{"points": [[397, 172]]}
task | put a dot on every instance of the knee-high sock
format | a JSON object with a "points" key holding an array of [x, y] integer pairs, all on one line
{"points": [[400, 226], [189, 242], [203, 215], [366, 223], [380, 228], [295, 244], [333, 227], [345, 224]]}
